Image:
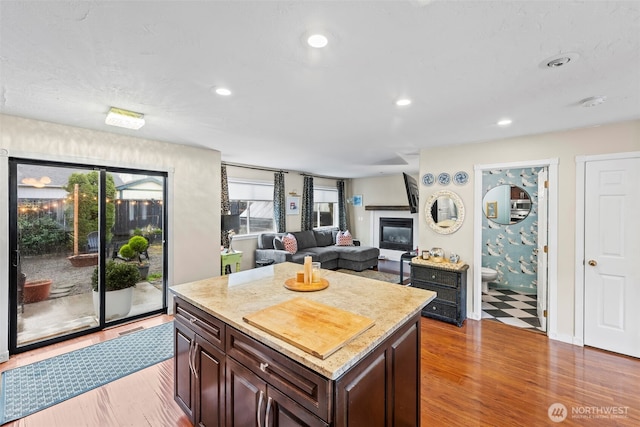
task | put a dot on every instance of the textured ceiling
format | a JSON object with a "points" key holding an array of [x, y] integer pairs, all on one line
{"points": [[329, 112]]}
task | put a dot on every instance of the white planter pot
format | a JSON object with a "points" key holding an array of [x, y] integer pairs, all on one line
{"points": [[118, 303]]}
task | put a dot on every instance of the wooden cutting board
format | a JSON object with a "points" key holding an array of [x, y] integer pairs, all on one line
{"points": [[316, 328]]}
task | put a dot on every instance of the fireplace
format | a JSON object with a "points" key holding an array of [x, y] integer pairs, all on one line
{"points": [[396, 234]]}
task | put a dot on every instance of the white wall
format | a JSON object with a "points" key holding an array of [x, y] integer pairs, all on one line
{"points": [[194, 190], [565, 146]]}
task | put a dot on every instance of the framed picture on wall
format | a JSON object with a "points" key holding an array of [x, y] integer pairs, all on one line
{"points": [[293, 205], [492, 210], [357, 200]]}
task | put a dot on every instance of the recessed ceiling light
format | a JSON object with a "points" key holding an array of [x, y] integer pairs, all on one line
{"points": [[403, 102], [317, 40], [505, 122], [223, 91], [559, 60], [124, 118], [593, 101]]}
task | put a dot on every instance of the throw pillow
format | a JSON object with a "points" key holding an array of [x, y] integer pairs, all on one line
{"points": [[344, 238], [290, 243], [278, 243]]}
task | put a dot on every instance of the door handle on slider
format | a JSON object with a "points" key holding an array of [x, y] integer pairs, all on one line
{"points": [[593, 262]]}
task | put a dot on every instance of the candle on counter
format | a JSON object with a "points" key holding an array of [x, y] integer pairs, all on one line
{"points": [[307, 269]]}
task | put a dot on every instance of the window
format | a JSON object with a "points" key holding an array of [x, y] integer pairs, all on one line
{"points": [[253, 201], [325, 207]]}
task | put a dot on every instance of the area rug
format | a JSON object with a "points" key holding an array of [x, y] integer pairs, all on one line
{"points": [[31, 388], [373, 274]]}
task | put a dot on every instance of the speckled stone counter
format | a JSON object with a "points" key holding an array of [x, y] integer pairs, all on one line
{"points": [[231, 297]]}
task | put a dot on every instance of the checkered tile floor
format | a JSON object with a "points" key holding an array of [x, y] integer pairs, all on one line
{"points": [[511, 307]]}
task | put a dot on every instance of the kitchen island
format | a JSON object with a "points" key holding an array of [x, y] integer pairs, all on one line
{"points": [[230, 373]]}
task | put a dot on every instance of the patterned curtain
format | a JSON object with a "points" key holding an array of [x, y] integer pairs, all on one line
{"points": [[307, 204], [279, 207], [343, 219], [225, 206]]}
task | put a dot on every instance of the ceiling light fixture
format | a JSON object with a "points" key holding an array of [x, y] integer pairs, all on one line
{"points": [[593, 101], [223, 91], [403, 102], [318, 41], [559, 60], [505, 122], [124, 118]]}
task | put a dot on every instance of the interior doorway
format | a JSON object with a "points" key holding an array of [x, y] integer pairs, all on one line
{"points": [[516, 204]]}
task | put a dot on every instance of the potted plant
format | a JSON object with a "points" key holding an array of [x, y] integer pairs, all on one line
{"points": [[133, 252], [120, 278]]}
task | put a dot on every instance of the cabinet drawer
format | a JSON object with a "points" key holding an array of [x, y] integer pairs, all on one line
{"points": [[304, 386], [440, 309], [444, 293], [205, 325], [441, 277]]}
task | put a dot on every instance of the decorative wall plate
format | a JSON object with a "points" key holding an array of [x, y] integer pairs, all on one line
{"points": [[428, 179], [444, 178], [460, 178]]}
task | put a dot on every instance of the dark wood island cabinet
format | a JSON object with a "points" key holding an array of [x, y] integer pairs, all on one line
{"points": [[225, 376]]}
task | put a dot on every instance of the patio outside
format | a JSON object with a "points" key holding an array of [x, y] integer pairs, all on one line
{"points": [[69, 307]]}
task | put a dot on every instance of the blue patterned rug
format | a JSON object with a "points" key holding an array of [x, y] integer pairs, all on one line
{"points": [[33, 387]]}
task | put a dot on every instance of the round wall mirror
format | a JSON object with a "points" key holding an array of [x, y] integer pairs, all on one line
{"points": [[506, 204], [444, 212]]}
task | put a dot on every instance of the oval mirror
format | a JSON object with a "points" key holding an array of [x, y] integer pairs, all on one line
{"points": [[506, 204], [444, 212]]}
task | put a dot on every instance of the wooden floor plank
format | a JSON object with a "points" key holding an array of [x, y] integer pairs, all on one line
{"points": [[482, 374]]}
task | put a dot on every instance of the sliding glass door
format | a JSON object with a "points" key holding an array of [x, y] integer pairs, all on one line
{"points": [[70, 227]]}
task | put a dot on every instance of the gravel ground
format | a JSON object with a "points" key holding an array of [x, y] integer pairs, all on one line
{"points": [[78, 279]]}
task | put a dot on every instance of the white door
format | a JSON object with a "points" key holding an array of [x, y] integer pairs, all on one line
{"points": [[611, 255], [542, 244]]}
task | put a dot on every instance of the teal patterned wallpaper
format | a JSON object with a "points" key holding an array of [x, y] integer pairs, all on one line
{"points": [[511, 249]]}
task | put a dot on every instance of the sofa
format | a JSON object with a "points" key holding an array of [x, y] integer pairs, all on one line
{"points": [[321, 245]]}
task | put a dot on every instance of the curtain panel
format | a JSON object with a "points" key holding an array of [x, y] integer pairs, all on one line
{"points": [[279, 206], [307, 204], [343, 217], [225, 206]]}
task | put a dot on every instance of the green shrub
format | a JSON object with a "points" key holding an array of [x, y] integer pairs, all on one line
{"points": [[133, 249], [41, 235], [118, 275]]}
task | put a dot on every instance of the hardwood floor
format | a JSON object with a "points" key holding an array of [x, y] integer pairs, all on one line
{"points": [[490, 374], [482, 374]]}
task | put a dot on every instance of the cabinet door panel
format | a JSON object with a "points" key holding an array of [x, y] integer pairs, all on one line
{"points": [[210, 384], [361, 394], [183, 382], [405, 361], [285, 412], [246, 396]]}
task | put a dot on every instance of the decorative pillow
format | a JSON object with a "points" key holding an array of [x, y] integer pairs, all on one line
{"points": [[344, 238], [290, 243], [278, 243]]}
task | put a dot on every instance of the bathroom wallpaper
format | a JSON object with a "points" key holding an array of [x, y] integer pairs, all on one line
{"points": [[510, 249]]}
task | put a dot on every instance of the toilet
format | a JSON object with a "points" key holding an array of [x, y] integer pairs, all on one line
{"points": [[488, 275]]}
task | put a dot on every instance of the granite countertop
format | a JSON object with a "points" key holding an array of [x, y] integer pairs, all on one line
{"points": [[231, 297]]}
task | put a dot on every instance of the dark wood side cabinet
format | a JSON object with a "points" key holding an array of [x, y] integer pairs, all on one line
{"points": [[223, 377], [449, 281]]}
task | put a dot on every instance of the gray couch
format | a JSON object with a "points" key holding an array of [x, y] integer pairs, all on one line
{"points": [[321, 245]]}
